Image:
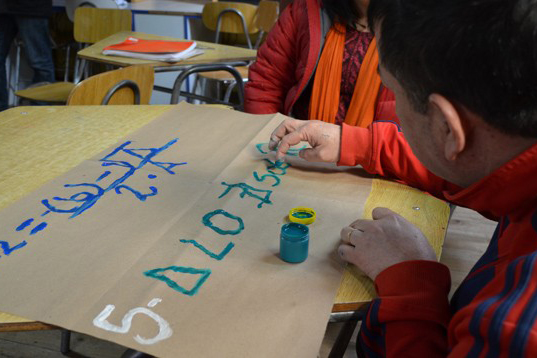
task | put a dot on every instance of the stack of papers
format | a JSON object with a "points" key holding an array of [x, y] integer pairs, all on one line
{"points": [[156, 50]]}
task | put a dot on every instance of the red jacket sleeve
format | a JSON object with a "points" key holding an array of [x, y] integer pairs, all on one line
{"points": [[409, 320], [385, 110], [382, 149], [271, 76]]}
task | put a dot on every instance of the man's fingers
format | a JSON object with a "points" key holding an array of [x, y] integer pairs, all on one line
{"points": [[345, 252], [288, 141], [379, 213], [346, 233], [360, 224], [287, 126], [324, 139], [273, 142], [350, 235]]}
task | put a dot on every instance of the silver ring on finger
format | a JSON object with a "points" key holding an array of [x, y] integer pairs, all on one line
{"points": [[350, 233]]}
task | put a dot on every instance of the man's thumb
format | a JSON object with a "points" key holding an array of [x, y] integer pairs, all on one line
{"points": [[309, 154]]}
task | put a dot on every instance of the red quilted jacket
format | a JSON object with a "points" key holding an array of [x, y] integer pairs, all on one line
{"points": [[286, 62], [494, 311]]}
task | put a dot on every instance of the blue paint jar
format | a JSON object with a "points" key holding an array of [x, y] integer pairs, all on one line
{"points": [[294, 242]]}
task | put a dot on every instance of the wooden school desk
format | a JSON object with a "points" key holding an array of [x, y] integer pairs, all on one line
{"points": [[156, 7], [215, 57], [142, 10], [76, 131], [168, 7]]}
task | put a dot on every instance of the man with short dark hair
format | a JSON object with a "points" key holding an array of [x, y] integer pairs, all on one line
{"points": [[29, 19], [464, 75]]}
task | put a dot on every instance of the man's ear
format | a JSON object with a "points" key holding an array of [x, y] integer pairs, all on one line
{"points": [[454, 138]]}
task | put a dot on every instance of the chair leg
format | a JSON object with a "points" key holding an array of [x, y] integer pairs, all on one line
{"points": [[67, 60], [76, 75], [229, 89], [196, 82], [194, 89], [86, 69], [17, 74], [65, 345], [218, 89], [80, 67]]}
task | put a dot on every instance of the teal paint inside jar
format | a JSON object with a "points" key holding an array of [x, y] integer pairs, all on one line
{"points": [[294, 242], [302, 215]]}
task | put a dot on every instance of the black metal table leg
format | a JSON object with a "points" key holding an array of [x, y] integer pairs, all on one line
{"points": [[65, 345]]}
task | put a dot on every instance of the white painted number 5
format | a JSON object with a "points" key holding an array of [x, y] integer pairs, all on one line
{"points": [[164, 328]]}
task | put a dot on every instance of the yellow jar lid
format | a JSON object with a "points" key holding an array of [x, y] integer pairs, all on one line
{"points": [[302, 215]]}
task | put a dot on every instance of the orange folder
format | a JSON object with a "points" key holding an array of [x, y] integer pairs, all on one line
{"points": [[133, 44], [157, 50]]}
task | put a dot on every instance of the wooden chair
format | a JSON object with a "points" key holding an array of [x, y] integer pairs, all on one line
{"points": [[128, 85], [90, 25], [263, 20], [235, 18], [72, 5]]}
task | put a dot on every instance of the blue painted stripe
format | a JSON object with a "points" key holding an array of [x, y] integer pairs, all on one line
{"points": [[496, 324], [485, 305], [8, 249], [523, 330], [24, 225], [38, 228]]}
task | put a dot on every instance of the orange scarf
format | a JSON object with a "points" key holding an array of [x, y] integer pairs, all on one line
{"points": [[324, 101]]}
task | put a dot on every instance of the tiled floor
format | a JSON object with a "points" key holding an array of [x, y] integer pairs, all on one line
{"points": [[468, 232]]}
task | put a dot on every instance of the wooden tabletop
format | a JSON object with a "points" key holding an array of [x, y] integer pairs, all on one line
{"points": [[40, 143], [213, 53]]}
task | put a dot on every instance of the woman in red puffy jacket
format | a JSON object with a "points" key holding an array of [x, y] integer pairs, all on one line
{"points": [[320, 62]]}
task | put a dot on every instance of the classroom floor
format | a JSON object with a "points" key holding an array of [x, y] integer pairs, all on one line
{"points": [[468, 232]]}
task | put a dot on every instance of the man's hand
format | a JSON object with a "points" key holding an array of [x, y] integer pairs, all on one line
{"points": [[324, 139], [388, 239]]}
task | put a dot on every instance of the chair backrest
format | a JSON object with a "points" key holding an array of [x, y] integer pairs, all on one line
{"points": [[71, 5], [94, 24], [267, 14], [96, 89], [231, 22]]}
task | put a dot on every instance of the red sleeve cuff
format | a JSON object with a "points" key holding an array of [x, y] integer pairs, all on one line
{"points": [[415, 290], [356, 143], [412, 276]]}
